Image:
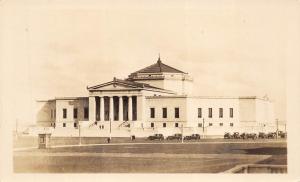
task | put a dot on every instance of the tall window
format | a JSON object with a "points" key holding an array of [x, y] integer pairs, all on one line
{"points": [[75, 113], [64, 113], [165, 114], [64, 124], [164, 125], [176, 112], [152, 112], [210, 112], [231, 112], [86, 113], [199, 112], [75, 125], [176, 125], [220, 112], [152, 125]]}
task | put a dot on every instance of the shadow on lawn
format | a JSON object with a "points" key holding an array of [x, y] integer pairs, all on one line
{"points": [[266, 151]]}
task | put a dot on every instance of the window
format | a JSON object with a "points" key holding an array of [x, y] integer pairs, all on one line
{"points": [[164, 125], [75, 113], [86, 112], [75, 125], [176, 125], [152, 125], [231, 112], [64, 124], [176, 112], [64, 113], [165, 114], [199, 112], [210, 112], [220, 112], [200, 125], [152, 112], [221, 124], [231, 124], [210, 124]]}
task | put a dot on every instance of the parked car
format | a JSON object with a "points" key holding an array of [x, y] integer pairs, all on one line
{"points": [[192, 137], [156, 137], [272, 135], [236, 135], [262, 135], [176, 136], [249, 135], [227, 136], [282, 134]]}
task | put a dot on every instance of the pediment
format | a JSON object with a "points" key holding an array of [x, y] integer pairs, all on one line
{"points": [[114, 85]]}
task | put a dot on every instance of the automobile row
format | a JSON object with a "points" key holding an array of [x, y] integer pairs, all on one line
{"points": [[262, 135]]}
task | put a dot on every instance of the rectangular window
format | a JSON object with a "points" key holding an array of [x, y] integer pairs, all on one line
{"points": [[152, 125], [64, 113], [164, 125], [231, 124], [221, 124], [86, 113], [199, 112], [75, 125], [210, 124], [152, 112], [64, 124], [200, 125], [165, 114], [231, 112], [210, 112], [220, 112], [75, 113], [176, 125], [176, 112]]}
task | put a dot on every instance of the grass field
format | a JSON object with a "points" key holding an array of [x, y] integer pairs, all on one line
{"points": [[197, 157]]}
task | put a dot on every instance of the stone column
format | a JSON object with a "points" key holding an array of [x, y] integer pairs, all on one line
{"points": [[129, 108], [92, 109], [111, 108], [120, 108], [101, 108]]}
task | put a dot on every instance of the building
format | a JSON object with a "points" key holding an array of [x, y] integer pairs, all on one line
{"points": [[156, 99]]}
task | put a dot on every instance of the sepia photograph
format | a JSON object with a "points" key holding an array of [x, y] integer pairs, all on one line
{"points": [[148, 87]]}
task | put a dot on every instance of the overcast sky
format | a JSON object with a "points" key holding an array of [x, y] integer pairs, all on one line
{"points": [[230, 48]]}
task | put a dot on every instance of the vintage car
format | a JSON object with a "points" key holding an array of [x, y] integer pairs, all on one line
{"points": [[176, 136], [249, 135], [282, 134], [192, 137], [272, 135], [156, 137], [227, 136], [236, 135], [262, 135]]}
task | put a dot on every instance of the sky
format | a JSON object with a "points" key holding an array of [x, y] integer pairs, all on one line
{"points": [[230, 48]]}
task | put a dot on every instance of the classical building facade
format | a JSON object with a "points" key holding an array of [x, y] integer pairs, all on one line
{"points": [[156, 99]]}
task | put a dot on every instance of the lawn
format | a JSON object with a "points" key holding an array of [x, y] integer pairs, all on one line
{"points": [[149, 158]]}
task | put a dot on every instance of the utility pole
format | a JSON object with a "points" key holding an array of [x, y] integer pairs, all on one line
{"points": [[110, 128], [203, 127], [79, 130], [181, 133], [276, 128]]}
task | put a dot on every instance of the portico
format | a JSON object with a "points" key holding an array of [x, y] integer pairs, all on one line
{"points": [[113, 107]]}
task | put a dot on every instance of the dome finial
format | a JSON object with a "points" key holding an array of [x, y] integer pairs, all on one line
{"points": [[158, 61]]}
